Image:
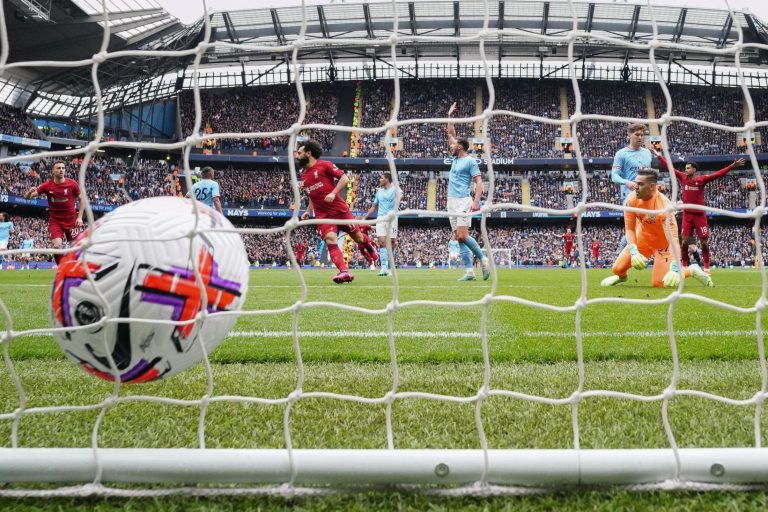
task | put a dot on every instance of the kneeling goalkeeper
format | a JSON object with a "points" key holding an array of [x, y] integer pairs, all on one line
{"points": [[646, 237]]}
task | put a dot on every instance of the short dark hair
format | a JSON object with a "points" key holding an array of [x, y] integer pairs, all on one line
{"points": [[633, 127], [207, 171], [650, 173], [388, 175], [693, 164], [464, 143], [58, 162], [313, 148]]}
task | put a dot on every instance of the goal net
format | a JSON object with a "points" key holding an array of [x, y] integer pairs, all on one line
{"points": [[502, 258], [260, 415]]}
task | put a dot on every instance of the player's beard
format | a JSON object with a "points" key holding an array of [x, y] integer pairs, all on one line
{"points": [[303, 161]]}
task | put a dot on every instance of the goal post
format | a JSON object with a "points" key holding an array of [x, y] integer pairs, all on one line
{"points": [[684, 468]]}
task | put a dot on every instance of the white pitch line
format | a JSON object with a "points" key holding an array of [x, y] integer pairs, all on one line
{"points": [[470, 335]]}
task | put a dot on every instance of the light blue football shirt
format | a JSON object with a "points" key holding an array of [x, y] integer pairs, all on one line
{"points": [[5, 231], [386, 199], [453, 246], [460, 180], [205, 190], [27, 243], [626, 163]]}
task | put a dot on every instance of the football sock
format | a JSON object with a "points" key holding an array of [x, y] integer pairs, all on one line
{"points": [[466, 258], [384, 257], [705, 256], [472, 245], [337, 257]]}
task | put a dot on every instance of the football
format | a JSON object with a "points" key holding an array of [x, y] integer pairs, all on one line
{"points": [[127, 301]]}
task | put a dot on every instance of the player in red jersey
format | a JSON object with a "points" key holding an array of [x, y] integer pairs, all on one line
{"points": [[300, 249], [693, 193], [61, 193], [595, 248], [319, 179], [568, 239]]}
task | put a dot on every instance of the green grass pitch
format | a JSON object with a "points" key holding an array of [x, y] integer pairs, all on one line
{"points": [[439, 350]]}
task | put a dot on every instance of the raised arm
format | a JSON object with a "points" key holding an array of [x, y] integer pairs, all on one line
{"points": [[663, 162], [709, 177], [450, 129]]}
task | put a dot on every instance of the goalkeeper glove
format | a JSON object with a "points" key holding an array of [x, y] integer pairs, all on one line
{"points": [[672, 278], [639, 262]]}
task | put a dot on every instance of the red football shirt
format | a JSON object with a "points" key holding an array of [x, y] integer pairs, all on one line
{"points": [[568, 237], [596, 247], [319, 181], [693, 189], [61, 198]]}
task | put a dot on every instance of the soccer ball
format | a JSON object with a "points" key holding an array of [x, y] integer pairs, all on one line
{"points": [[133, 293]]}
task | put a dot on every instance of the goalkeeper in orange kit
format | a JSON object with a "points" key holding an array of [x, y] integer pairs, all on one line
{"points": [[646, 237]]}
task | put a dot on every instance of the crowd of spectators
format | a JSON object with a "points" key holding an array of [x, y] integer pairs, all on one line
{"points": [[520, 138], [418, 100], [13, 121], [716, 105], [276, 107], [260, 109], [110, 181]]}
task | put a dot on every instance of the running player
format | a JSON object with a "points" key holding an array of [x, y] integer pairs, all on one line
{"points": [[62, 192], [323, 181], [387, 200]]}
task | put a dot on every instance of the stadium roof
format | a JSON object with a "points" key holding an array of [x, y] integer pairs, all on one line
{"points": [[73, 29]]}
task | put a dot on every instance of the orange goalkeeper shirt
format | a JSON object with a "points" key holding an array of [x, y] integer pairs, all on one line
{"points": [[649, 227]]}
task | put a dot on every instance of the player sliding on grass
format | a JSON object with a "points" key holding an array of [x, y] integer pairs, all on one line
{"points": [[464, 172], [646, 237], [319, 179]]}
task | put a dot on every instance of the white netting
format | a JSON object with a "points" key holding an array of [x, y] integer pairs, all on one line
{"points": [[486, 390]]}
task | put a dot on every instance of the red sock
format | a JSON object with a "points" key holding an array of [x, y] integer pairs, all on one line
{"points": [[705, 256], [685, 257], [337, 257]]}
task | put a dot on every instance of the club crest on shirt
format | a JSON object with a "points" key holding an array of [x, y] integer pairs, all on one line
{"points": [[316, 175]]}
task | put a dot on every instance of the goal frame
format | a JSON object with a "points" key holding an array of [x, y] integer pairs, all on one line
{"points": [[664, 467]]}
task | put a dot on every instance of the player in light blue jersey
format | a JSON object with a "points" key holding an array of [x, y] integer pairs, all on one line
{"points": [[627, 162], [207, 191], [464, 172], [28, 243], [6, 227], [387, 200], [454, 250], [5, 234]]}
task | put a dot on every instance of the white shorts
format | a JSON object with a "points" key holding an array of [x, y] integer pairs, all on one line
{"points": [[459, 205], [381, 229], [26, 256], [3, 245]]}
